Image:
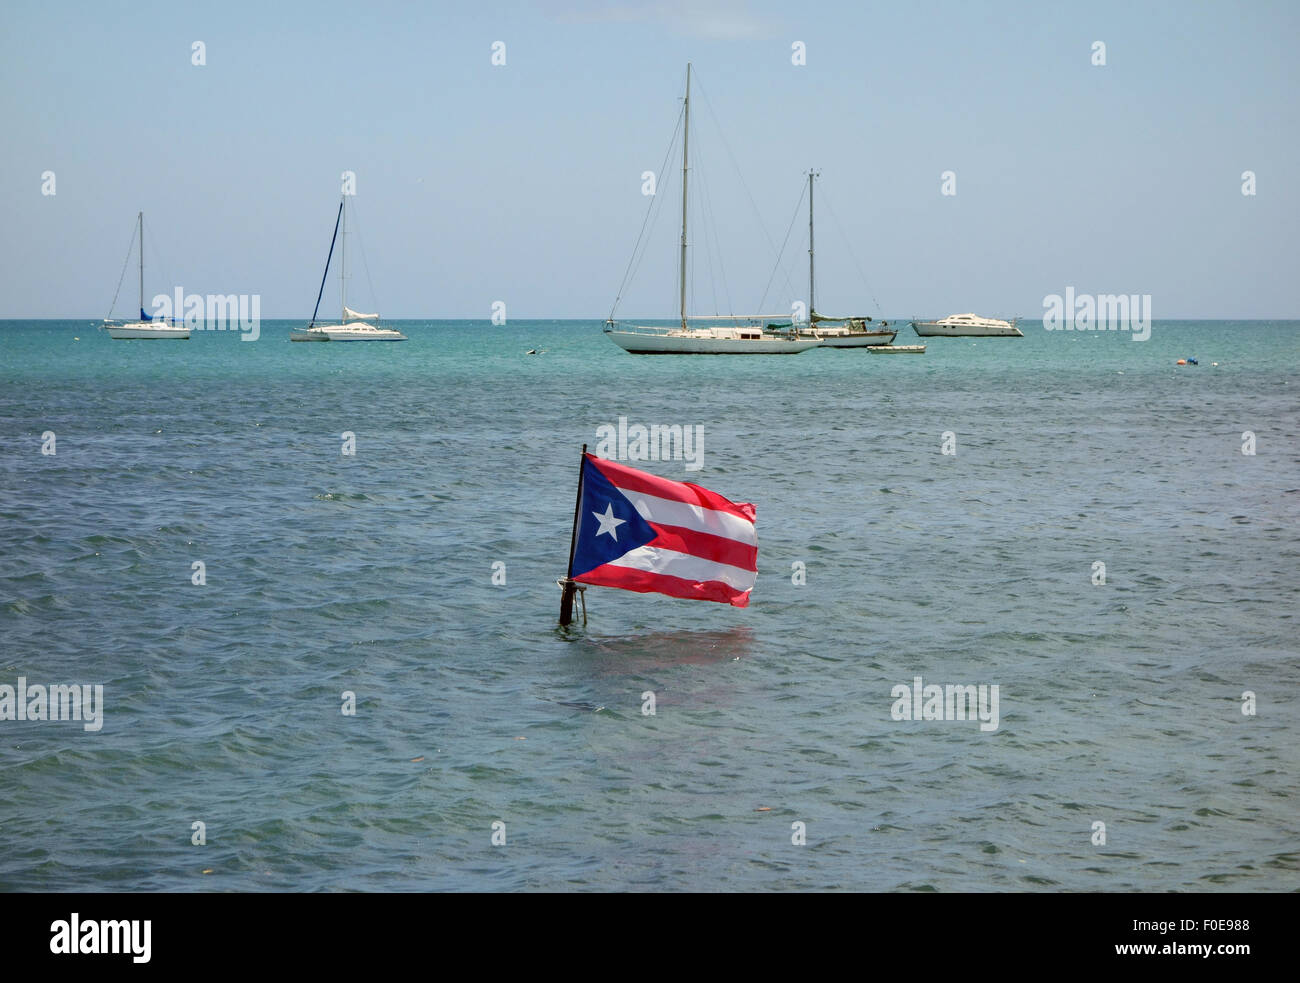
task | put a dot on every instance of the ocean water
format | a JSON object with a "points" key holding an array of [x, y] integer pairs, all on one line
{"points": [[1119, 703]]}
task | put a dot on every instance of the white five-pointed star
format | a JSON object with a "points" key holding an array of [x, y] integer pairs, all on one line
{"points": [[608, 524]]}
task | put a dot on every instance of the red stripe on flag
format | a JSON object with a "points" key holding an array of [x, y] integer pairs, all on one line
{"points": [[719, 549], [630, 479], [644, 582]]}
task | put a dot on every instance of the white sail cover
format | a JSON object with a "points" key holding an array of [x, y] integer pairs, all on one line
{"points": [[350, 315]]}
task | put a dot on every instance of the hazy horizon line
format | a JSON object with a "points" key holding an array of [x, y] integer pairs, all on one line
{"points": [[629, 317]]}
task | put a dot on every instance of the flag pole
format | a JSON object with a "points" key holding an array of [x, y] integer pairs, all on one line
{"points": [[566, 599]]}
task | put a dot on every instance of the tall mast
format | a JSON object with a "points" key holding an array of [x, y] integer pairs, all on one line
{"points": [[343, 262], [686, 139], [811, 306], [140, 219]]}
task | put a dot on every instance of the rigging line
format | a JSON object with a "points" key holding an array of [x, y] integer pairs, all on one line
{"points": [[740, 177], [785, 272], [705, 235], [129, 246], [692, 254], [361, 245], [664, 192], [159, 265], [713, 247], [794, 218], [663, 169], [653, 212], [717, 244], [338, 216], [708, 234], [849, 246]]}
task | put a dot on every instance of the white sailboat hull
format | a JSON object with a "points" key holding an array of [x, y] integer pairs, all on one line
{"points": [[869, 339], [704, 343], [350, 332], [144, 329]]}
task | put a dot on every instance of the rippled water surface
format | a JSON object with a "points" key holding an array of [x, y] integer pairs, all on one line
{"points": [[1119, 703]]}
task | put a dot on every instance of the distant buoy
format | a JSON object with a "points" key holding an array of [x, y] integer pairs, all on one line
{"points": [[1182, 361]]}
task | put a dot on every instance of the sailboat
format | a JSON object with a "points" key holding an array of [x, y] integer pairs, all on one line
{"points": [[352, 326], [836, 332], [146, 327], [743, 336]]}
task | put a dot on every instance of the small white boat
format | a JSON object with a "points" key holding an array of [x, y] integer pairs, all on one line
{"points": [[967, 326], [353, 325], [147, 326], [743, 336], [897, 349]]}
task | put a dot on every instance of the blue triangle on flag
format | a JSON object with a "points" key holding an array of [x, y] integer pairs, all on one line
{"points": [[608, 523]]}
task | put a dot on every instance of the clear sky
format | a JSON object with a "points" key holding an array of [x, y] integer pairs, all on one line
{"points": [[522, 182]]}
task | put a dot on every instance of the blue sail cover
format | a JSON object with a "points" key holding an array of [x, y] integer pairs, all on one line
{"points": [[159, 317]]}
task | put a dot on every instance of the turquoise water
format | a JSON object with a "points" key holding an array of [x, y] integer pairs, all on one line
{"points": [[1120, 703]]}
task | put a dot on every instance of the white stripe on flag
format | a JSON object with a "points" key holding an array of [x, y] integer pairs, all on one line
{"points": [[670, 563], [666, 512]]}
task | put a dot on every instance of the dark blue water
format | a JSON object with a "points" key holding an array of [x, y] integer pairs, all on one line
{"points": [[1120, 703]]}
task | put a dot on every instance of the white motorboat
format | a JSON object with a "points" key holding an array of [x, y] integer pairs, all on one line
{"points": [[147, 327], [967, 326], [353, 325], [742, 335]]}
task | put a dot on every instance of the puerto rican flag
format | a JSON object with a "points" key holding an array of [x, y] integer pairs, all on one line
{"points": [[644, 533]]}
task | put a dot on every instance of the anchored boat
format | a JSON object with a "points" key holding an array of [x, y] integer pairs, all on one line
{"points": [[352, 326], [147, 327], [837, 332], [967, 326], [739, 335], [744, 337]]}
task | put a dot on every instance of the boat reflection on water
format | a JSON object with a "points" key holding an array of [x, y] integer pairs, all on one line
{"points": [[664, 649]]}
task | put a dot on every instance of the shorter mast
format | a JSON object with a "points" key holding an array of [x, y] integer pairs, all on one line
{"points": [[811, 305], [343, 262], [140, 219]]}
